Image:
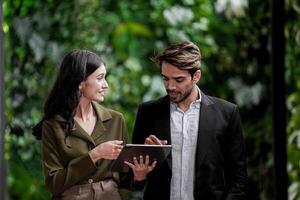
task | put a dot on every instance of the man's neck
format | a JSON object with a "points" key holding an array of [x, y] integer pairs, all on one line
{"points": [[185, 104]]}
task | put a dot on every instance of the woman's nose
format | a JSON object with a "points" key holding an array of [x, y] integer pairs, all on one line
{"points": [[105, 84]]}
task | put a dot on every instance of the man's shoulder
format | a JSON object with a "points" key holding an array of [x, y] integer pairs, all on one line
{"points": [[219, 102], [220, 106]]}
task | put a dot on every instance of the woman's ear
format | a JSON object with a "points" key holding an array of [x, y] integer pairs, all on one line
{"points": [[81, 86]]}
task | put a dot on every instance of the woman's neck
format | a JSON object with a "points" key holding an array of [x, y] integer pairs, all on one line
{"points": [[84, 111]]}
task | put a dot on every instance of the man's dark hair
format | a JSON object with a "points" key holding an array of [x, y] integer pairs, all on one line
{"points": [[184, 55]]}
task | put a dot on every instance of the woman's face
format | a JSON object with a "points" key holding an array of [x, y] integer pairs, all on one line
{"points": [[95, 86]]}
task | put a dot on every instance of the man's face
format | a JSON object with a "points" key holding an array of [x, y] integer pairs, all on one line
{"points": [[178, 83]]}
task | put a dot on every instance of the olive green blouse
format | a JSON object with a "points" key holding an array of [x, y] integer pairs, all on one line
{"points": [[66, 161]]}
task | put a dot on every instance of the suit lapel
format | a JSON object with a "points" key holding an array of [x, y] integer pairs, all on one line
{"points": [[163, 120], [102, 116], [99, 130], [203, 130], [164, 130], [163, 124], [76, 130]]}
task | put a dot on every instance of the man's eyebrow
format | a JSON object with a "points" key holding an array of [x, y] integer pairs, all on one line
{"points": [[176, 77]]}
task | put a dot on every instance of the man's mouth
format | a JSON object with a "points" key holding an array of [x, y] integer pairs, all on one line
{"points": [[172, 94]]}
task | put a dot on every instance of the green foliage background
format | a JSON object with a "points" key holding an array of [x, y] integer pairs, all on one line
{"points": [[235, 45]]}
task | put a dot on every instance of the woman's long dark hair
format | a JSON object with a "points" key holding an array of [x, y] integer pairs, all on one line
{"points": [[64, 97]]}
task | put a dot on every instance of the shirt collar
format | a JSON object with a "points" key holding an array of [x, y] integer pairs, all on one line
{"points": [[194, 104], [198, 101]]}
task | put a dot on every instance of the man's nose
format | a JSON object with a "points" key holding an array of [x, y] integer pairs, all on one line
{"points": [[171, 85]]}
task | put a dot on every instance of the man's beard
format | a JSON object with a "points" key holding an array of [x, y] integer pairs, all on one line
{"points": [[182, 98]]}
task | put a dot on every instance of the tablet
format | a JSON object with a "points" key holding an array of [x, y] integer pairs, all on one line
{"points": [[156, 153]]}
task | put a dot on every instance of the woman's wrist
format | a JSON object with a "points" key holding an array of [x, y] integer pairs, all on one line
{"points": [[139, 178], [94, 155]]}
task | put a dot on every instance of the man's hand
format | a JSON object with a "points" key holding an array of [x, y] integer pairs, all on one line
{"points": [[153, 140]]}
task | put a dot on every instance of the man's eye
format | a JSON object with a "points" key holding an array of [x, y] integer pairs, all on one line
{"points": [[179, 80]]}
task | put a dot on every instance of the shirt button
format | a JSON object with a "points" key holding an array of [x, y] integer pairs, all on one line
{"points": [[90, 180]]}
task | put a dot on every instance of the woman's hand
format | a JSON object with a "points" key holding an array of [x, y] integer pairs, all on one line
{"points": [[141, 168], [108, 150]]}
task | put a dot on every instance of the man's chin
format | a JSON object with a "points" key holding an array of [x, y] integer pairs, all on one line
{"points": [[174, 100]]}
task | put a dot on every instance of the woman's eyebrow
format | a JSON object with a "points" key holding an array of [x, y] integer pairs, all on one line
{"points": [[102, 74]]}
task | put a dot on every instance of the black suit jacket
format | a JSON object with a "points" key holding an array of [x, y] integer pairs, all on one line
{"points": [[220, 171]]}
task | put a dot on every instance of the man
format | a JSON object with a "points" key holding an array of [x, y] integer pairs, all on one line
{"points": [[207, 160]]}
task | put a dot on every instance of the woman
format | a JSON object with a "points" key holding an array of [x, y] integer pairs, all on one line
{"points": [[80, 138]]}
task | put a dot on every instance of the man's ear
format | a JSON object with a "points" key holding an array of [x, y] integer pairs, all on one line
{"points": [[197, 76]]}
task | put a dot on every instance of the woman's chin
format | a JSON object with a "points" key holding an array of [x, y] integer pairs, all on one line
{"points": [[101, 99]]}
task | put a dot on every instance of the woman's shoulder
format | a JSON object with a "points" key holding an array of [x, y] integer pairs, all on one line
{"points": [[56, 125], [104, 112], [54, 121]]}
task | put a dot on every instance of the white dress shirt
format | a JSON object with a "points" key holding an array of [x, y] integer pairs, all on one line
{"points": [[184, 135]]}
